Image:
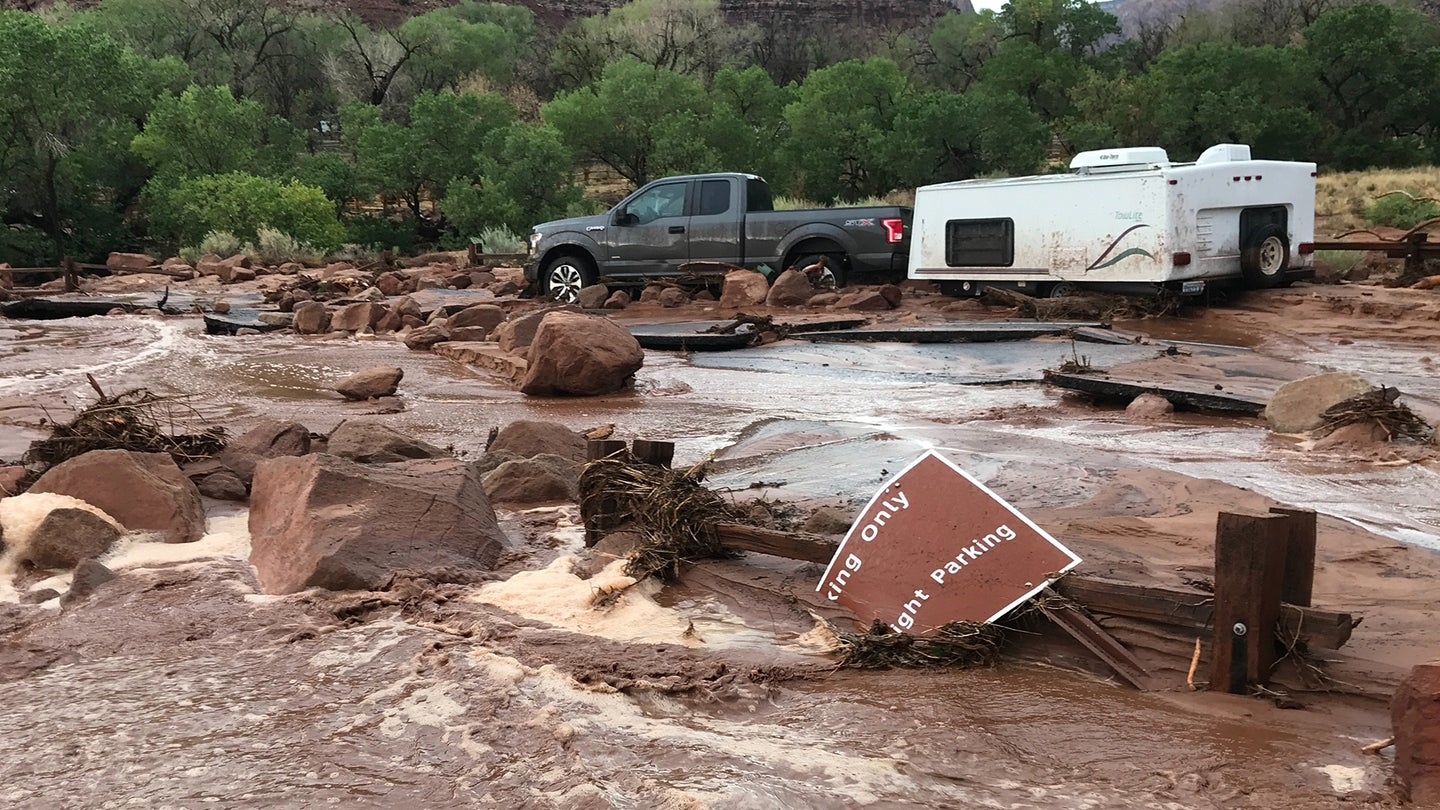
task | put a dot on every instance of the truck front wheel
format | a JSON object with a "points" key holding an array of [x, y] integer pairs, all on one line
{"points": [[564, 277], [831, 276], [1265, 256]]}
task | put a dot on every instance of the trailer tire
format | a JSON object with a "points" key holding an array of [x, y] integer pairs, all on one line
{"points": [[1062, 289], [833, 276], [564, 276], [1265, 256]]}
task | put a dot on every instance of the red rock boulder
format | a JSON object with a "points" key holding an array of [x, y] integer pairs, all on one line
{"points": [[323, 521], [269, 439], [743, 288], [1415, 717], [580, 355], [143, 491]]}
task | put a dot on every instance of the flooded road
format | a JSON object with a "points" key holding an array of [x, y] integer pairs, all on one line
{"points": [[181, 686]]}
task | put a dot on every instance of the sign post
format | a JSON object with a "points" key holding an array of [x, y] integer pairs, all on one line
{"points": [[936, 546]]}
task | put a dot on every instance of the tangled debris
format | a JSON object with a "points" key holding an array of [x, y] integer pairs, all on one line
{"points": [[957, 644], [1089, 306], [132, 420], [1381, 406], [670, 509]]}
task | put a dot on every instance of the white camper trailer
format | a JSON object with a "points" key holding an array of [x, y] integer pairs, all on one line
{"points": [[1124, 220]]}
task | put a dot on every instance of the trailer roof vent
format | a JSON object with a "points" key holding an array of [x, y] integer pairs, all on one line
{"points": [[1224, 153], [1120, 160]]}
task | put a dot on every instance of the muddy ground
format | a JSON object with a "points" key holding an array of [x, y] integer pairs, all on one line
{"points": [[179, 685]]}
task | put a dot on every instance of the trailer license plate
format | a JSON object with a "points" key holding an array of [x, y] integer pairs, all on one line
{"points": [[1192, 287]]}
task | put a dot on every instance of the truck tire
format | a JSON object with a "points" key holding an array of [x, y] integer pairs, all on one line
{"points": [[1265, 256], [564, 276], [833, 276]]}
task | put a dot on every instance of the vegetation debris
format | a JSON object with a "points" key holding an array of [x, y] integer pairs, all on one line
{"points": [[1380, 405]]}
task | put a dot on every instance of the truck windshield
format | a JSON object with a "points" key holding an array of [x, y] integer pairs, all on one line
{"points": [[757, 196]]}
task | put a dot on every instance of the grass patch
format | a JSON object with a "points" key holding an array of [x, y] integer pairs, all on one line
{"points": [[1342, 199]]}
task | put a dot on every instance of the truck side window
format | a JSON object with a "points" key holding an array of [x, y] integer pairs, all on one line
{"points": [[980, 242], [757, 195], [714, 197], [666, 200]]}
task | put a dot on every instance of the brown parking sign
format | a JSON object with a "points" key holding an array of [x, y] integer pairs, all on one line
{"points": [[936, 546]]}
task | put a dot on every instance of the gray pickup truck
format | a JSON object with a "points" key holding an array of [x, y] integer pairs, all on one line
{"points": [[704, 219]]}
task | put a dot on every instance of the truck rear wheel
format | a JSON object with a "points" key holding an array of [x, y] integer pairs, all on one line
{"points": [[564, 277], [1264, 257], [832, 276]]}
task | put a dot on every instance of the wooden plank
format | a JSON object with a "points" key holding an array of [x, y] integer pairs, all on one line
{"points": [[1299, 581], [791, 545], [1179, 395], [971, 332], [1185, 609], [597, 449], [1100, 643], [1249, 572], [661, 454]]}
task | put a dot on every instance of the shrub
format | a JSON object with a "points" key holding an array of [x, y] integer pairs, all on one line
{"points": [[242, 203], [222, 243], [274, 247], [23, 246], [1399, 210], [499, 239], [377, 233]]}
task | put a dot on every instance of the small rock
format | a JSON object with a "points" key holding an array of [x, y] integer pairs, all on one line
{"points": [[617, 300], [356, 317], [1298, 405], [38, 597], [471, 333], [247, 331], [1149, 406], [673, 297], [423, 337], [891, 294], [222, 485], [592, 297], [828, 520], [129, 261], [379, 381], [220, 307], [542, 479], [526, 438], [864, 301], [369, 441], [66, 536], [89, 576], [311, 318], [824, 299]]}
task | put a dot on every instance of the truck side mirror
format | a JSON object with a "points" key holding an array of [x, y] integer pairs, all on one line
{"points": [[626, 218]]}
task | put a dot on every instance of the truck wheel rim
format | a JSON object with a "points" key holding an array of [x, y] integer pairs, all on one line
{"points": [[1272, 256], [565, 282]]}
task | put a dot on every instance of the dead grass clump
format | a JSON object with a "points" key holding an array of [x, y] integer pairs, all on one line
{"points": [[1343, 198], [670, 509], [957, 644], [133, 420], [1380, 405]]}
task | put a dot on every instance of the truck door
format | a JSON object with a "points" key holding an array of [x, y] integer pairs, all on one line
{"points": [[648, 234], [716, 222]]}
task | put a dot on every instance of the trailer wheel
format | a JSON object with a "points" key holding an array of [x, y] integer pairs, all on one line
{"points": [[564, 277], [1062, 289], [1265, 256], [832, 277]]}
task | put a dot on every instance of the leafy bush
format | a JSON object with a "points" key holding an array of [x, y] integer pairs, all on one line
{"points": [[242, 203], [499, 239], [274, 247], [1399, 210], [222, 243], [22, 246], [381, 233]]}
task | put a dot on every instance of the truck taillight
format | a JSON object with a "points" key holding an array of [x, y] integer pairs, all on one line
{"points": [[1306, 248], [1180, 259], [894, 229]]}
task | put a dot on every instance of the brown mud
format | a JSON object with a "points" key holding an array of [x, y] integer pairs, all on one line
{"points": [[178, 684]]}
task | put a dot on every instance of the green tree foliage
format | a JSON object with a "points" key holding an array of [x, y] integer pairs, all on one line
{"points": [[1378, 74], [685, 36], [962, 44], [242, 204], [839, 125], [948, 136], [1198, 96], [638, 119], [69, 99], [524, 180], [747, 120], [204, 130]]}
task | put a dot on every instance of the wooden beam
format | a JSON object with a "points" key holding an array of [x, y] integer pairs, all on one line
{"points": [[1249, 573], [1299, 580], [661, 454], [597, 449], [791, 545], [1101, 644]]}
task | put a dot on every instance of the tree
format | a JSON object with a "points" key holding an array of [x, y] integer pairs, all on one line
{"points": [[69, 100], [632, 119], [747, 120], [241, 204], [962, 44], [204, 130], [949, 136], [838, 125], [1378, 73], [685, 36], [524, 179]]}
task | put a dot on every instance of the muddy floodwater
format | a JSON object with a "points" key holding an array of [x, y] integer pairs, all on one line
{"points": [[181, 686]]}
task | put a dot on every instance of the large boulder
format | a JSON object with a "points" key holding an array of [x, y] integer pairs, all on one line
{"points": [[791, 289], [327, 522], [379, 381], [270, 438], [526, 438], [481, 316], [865, 301], [370, 441], [357, 317], [1415, 718], [422, 338], [143, 491], [743, 288], [66, 536], [129, 261], [311, 317], [592, 297], [580, 355], [1297, 405], [542, 479], [515, 335], [10, 477]]}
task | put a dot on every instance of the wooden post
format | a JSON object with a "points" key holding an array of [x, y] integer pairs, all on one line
{"points": [[598, 515], [72, 278], [1249, 574], [1299, 582], [661, 454], [603, 448]]}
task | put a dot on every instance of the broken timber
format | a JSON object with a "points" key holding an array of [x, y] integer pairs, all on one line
{"points": [[1194, 397], [1181, 608], [1100, 643], [974, 332]]}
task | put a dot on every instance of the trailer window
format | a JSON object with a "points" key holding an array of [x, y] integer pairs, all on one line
{"points": [[980, 242]]}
